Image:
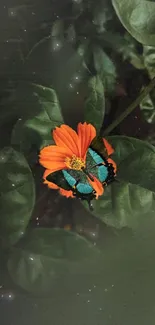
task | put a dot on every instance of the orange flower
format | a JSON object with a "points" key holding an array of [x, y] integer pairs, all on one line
{"points": [[69, 153]]}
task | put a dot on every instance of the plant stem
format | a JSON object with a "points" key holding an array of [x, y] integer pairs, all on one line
{"points": [[131, 107]]}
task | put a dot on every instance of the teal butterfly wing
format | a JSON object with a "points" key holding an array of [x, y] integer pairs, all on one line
{"points": [[104, 171], [78, 180], [84, 188], [73, 180], [58, 179], [69, 178], [102, 168]]}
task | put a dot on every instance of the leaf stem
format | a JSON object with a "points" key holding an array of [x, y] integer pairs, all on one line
{"points": [[131, 107]]}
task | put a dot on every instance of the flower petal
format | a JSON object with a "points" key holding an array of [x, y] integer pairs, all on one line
{"points": [[52, 165], [49, 184], [97, 186], [66, 193], [110, 161], [51, 151], [108, 146], [86, 133], [53, 157], [64, 136]]}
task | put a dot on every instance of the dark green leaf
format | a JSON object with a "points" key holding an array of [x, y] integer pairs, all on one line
{"points": [[105, 69], [7, 108], [71, 34], [95, 102], [138, 17], [77, 7], [129, 200], [129, 48], [148, 107], [58, 29], [17, 195], [149, 59], [42, 114], [59, 64], [126, 45], [101, 15], [48, 258], [148, 104]]}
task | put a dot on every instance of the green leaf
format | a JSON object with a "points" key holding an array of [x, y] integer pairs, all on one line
{"points": [[105, 69], [8, 110], [58, 63], [148, 107], [126, 45], [42, 114], [101, 15], [149, 59], [129, 200], [95, 102], [48, 258], [17, 195], [138, 17], [58, 28], [130, 51], [71, 34]]}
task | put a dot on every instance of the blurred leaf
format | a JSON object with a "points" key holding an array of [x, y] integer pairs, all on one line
{"points": [[126, 45], [17, 195], [148, 107], [77, 7], [149, 59], [71, 34], [7, 108], [138, 17], [105, 69], [42, 114], [58, 28], [48, 258], [131, 198], [95, 102], [62, 66], [130, 51], [101, 15]]}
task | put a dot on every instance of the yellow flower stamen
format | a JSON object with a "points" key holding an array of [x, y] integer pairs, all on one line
{"points": [[75, 163]]}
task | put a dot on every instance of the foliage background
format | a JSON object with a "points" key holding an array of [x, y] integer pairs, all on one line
{"points": [[105, 273]]}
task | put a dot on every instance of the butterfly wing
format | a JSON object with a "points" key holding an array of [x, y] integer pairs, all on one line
{"points": [[84, 188], [81, 186], [59, 179], [78, 180], [73, 180], [102, 169], [98, 146]]}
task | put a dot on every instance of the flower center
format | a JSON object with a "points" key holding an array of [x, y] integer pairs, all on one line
{"points": [[75, 163]]}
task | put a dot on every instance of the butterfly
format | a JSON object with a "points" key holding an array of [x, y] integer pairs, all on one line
{"points": [[77, 181]]}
